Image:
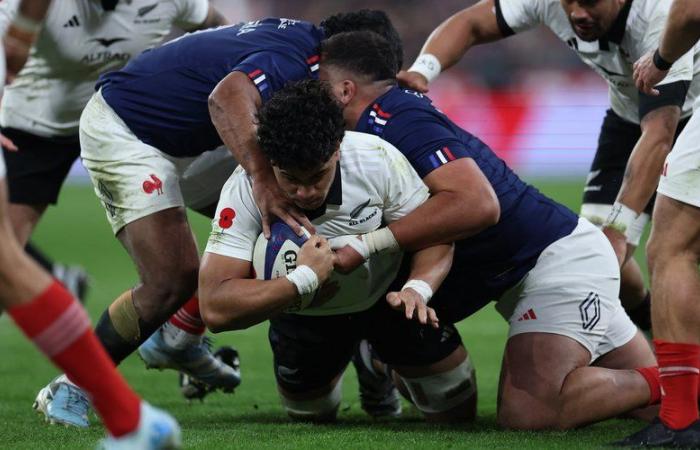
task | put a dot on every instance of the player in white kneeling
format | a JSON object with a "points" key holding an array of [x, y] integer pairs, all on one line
{"points": [[318, 316]]}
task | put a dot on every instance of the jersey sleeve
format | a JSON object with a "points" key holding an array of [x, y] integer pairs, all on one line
{"points": [[404, 191], [237, 223], [8, 10], [425, 140], [514, 16], [270, 71], [191, 13]]}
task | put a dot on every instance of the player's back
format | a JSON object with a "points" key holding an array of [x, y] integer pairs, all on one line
{"points": [[499, 256], [162, 95]]}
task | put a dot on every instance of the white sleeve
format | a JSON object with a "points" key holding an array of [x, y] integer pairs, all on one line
{"points": [[519, 15], [237, 223], [191, 13], [8, 10], [403, 190], [682, 69]]}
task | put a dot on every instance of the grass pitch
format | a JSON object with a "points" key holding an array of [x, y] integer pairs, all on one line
{"points": [[77, 232]]}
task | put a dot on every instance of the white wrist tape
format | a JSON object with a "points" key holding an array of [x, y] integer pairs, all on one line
{"points": [[421, 287], [427, 65], [26, 24], [381, 240], [304, 278], [356, 244], [621, 218]]}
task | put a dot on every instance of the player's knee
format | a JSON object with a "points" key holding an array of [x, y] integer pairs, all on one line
{"points": [[170, 287], [448, 396], [514, 414], [322, 408]]}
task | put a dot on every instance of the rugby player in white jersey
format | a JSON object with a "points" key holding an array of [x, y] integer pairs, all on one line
{"points": [[673, 251], [609, 36], [349, 187], [41, 109], [51, 318]]}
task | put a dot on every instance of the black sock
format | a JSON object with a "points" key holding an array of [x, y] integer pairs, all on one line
{"points": [[117, 347]]}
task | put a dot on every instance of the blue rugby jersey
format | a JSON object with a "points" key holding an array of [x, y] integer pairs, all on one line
{"points": [[162, 95], [497, 258]]}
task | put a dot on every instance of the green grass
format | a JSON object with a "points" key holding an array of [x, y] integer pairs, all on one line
{"points": [[77, 232]]}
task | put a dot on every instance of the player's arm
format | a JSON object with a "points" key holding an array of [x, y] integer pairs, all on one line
{"points": [[22, 33], [450, 41], [233, 105], [680, 34], [429, 267], [462, 204], [214, 19], [641, 175], [231, 300]]}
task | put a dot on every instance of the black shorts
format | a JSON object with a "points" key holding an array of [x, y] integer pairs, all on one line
{"points": [[37, 171], [615, 144], [309, 351]]}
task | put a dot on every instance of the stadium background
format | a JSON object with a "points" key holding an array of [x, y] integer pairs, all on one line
{"points": [[528, 97]]}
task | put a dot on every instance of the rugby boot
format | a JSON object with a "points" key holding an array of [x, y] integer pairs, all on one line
{"points": [[157, 430], [62, 402]]}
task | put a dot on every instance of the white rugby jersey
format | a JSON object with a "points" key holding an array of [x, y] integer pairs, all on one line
{"points": [[78, 42], [638, 30], [374, 184]]}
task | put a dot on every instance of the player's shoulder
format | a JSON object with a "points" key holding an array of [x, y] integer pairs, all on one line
{"points": [[238, 181], [366, 150]]}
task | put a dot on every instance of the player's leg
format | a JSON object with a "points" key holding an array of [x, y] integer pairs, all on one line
{"points": [[615, 144], [430, 367], [59, 327], [566, 316], [310, 355]]}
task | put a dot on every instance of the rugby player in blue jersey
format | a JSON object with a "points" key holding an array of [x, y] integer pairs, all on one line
{"points": [[571, 350], [161, 134]]}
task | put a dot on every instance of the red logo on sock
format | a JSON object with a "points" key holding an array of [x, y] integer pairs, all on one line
{"points": [[226, 217], [153, 185]]}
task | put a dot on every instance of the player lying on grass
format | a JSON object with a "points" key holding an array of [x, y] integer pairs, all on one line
{"points": [[348, 187], [151, 139], [571, 348], [54, 321]]}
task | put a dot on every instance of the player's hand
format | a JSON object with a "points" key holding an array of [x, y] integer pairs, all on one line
{"points": [[347, 257], [7, 144], [17, 45], [272, 202], [413, 80], [413, 306], [618, 242], [317, 254], [647, 75]]}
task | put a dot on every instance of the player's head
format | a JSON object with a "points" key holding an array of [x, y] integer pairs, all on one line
{"points": [[299, 130], [355, 59], [592, 19], [366, 19]]}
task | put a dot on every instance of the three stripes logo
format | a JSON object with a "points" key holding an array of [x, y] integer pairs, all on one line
{"points": [[378, 118], [529, 315], [590, 311], [258, 77], [313, 63], [72, 23], [441, 157]]}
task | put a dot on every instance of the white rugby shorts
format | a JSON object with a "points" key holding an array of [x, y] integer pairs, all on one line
{"points": [[572, 291], [134, 180], [680, 179]]}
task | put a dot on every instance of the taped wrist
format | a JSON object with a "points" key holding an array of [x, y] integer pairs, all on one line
{"points": [[304, 278], [621, 218], [661, 63], [421, 287], [427, 65], [380, 240]]}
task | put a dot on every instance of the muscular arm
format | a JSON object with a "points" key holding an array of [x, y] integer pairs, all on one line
{"points": [[22, 33], [647, 159], [432, 264], [682, 29], [214, 19], [230, 300], [462, 204]]}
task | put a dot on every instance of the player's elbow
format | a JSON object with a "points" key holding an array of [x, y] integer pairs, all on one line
{"points": [[485, 212]]}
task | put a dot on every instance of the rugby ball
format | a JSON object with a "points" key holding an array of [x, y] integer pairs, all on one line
{"points": [[277, 256]]}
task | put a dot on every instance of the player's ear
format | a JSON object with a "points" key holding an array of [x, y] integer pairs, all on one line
{"points": [[347, 92]]}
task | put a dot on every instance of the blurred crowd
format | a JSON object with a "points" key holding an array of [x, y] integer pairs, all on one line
{"points": [[495, 65]]}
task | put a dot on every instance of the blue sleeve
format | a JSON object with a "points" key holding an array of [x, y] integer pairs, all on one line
{"points": [[425, 140], [270, 71]]}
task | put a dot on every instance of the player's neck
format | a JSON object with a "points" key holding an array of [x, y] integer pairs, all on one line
{"points": [[365, 96]]}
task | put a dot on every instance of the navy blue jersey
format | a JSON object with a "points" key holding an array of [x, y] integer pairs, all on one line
{"points": [[162, 94], [487, 264]]}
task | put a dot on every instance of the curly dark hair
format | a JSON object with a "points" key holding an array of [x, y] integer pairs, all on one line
{"points": [[361, 52], [366, 19], [301, 126]]}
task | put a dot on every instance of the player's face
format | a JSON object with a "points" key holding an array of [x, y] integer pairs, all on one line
{"points": [[591, 19], [308, 188]]}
